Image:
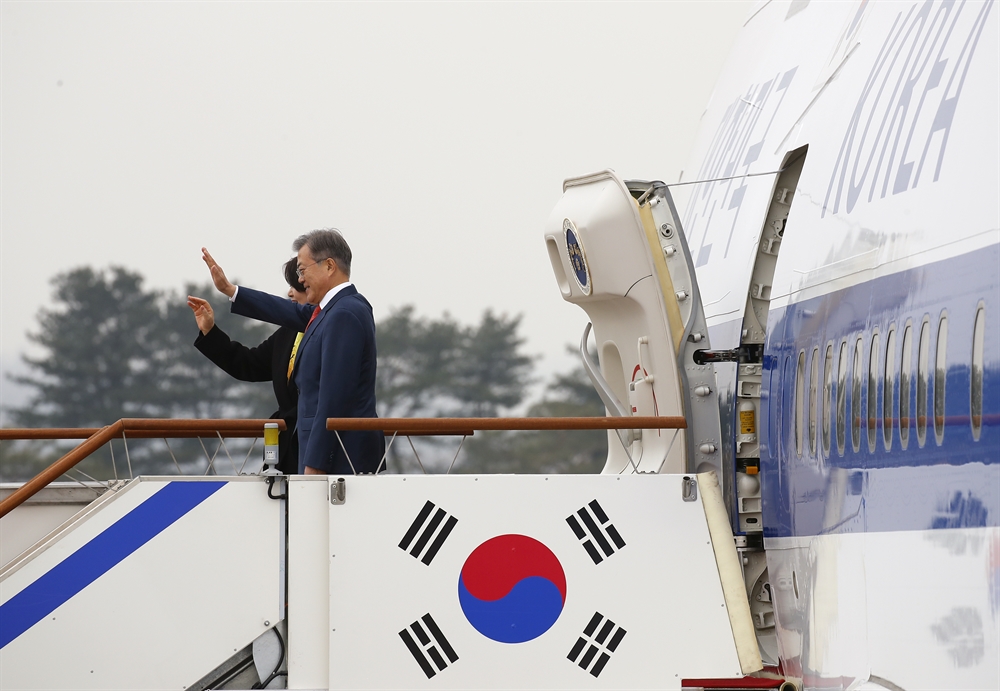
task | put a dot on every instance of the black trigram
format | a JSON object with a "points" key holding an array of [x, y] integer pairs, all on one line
{"points": [[427, 635], [596, 641], [591, 529], [427, 533]]}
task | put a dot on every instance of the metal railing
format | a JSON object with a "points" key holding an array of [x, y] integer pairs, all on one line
{"points": [[96, 437], [467, 426], [146, 428]]}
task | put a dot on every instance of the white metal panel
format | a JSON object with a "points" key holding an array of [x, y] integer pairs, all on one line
{"points": [[828, 76], [898, 220], [167, 613], [624, 299], [730, 573], [763, 90], [308, 582], [920, 609], [49, 508], [662, 586], [72, 537], [20, 529], [936, 591]]}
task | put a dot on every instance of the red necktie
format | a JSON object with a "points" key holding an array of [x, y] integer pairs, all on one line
{"points": [[313, 318]]}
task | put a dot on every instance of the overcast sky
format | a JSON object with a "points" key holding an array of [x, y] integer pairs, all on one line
{"points": [[435, 136]]}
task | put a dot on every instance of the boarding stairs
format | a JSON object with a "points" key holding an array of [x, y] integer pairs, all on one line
{"points": [[630, 578], [322, 582]]}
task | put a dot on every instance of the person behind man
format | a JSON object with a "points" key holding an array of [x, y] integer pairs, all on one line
{"points": [[336, 361], [272, 361]]}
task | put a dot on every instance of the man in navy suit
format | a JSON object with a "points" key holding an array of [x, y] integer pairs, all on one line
{"points": [[335, 363]]}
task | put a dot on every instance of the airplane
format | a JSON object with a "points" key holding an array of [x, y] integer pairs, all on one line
{"points": [[843, 226], [821, 313]]}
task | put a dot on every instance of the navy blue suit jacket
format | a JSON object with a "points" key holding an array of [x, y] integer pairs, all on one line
{"points": [[334, 372]]}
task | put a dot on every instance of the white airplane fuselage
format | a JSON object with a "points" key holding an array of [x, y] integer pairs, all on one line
{"points": [[879, 444]]}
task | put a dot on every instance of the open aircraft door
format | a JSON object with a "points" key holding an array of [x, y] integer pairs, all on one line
{"points": [[618, 252]]}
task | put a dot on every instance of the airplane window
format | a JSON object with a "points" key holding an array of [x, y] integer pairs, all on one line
{"points": [[842, 399], [906, 361], [976, 393], [923, 363], [889, 392], [800, 376], [873, 393], [827, 397], [813, 399], [856, 396], [940, 370]]}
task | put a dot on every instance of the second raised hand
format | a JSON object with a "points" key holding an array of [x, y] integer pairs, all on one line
{"points": [[203, 313]]}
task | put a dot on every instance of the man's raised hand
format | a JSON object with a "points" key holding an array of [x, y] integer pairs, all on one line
{"points": [[218, 275]]}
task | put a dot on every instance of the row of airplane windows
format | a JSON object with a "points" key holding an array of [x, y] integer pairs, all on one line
{"points": [[888, 383]]}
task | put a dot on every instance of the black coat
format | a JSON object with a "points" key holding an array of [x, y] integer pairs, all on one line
{"points": [[267, 362]]}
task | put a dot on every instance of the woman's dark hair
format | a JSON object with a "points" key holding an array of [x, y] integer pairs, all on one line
{"points": [[290, 277]]}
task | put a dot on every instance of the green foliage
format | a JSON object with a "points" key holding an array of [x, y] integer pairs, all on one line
{"points": [[491, 375], [111, 349], [439, 368], [20, 460], [569, 395], [416, 363], [436, 367], [97, 339], [114, 349]]}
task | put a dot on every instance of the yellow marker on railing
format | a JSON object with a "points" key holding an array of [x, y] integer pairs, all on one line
{"points": [[270, 444]]}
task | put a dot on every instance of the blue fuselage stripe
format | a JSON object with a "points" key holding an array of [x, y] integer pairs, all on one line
{"points": [[97, 557], [951, 482]]}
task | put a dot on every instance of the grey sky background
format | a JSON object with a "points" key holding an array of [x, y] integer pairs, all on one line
{"points": [[435, 136]]}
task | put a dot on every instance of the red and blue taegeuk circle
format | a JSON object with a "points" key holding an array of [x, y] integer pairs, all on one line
{"points": [[512, 588]]}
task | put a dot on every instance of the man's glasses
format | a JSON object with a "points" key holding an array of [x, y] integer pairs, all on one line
{"points": [[302, 269]]}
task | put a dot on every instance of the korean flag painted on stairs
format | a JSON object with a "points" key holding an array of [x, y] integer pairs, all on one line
{"points": [[523, 582]]}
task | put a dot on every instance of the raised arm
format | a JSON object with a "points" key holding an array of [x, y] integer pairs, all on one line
{"points": [[271, 308], [252, 303], [235, 359]]}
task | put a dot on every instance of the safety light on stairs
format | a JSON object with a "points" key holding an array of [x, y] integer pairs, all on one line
{"points": [[270, 447]]}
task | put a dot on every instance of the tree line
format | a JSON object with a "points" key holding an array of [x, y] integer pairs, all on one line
{"points": [[111, 348]]}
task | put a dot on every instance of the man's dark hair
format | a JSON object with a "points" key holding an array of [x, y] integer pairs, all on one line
{"points": [[291, 278], [326, 244]]}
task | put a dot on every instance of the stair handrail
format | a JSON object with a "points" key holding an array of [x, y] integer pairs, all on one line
{"points": [[95, 438], [466, 425]]}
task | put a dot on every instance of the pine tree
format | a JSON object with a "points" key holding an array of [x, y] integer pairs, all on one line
{"points": [[492, 374], [563, 451], [112, 349]]}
